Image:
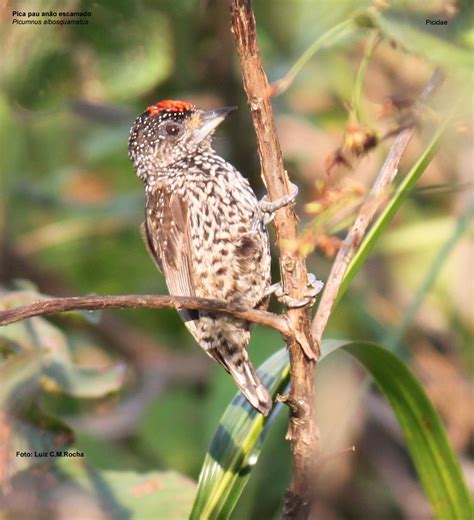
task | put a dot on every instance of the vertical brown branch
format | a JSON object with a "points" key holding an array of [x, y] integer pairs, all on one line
{"points": [[302, 432]]}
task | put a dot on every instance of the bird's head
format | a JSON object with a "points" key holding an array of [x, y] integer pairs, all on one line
{"points": [[169, 132]]}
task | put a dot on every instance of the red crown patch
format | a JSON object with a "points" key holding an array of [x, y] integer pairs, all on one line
{"points": [[169, 105]]}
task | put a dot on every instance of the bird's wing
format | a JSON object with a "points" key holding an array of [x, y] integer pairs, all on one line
{"points": [[168, 240], [150, 247]]}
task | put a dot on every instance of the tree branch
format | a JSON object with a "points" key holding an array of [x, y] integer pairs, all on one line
{"points": [[304, 349], [367, 213], [302, 432], [134, 301]]}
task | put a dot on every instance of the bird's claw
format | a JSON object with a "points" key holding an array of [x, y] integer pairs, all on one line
{"points": [[268, 208], [313, 288]]}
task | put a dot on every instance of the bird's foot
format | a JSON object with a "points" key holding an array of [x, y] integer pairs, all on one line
{"points": [[268, 209], [313, 288]]}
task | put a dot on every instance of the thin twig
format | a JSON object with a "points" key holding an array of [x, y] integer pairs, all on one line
{"points": [[302, 432], [135, 301], [367, 213], [330, 37]]}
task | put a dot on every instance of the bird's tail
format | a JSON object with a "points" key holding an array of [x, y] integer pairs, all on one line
{"points": [[225, 340], [246, 378]]}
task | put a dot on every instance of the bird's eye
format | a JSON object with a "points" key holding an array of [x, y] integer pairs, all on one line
{"points": [[173, 129]]}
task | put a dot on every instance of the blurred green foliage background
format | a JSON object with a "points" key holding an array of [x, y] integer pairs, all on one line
{"points": [[71, 206]]}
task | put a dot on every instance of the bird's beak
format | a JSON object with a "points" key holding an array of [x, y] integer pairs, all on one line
{"points": [[210, 120]]}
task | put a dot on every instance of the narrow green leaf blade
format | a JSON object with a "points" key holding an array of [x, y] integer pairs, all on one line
{"points": [[425, 436], [391, 208], [236, 446], [238, 441]]}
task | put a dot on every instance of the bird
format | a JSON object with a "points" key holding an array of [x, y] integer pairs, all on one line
{"points": [[204, 230]]}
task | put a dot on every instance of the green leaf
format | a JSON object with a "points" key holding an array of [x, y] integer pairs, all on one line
{"points": [[238, 441], [37, 336], [236, 446], [126, 495], [425, 436]]}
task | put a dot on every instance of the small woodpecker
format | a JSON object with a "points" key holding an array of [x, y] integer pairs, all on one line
{"points": [[204, 229]]}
